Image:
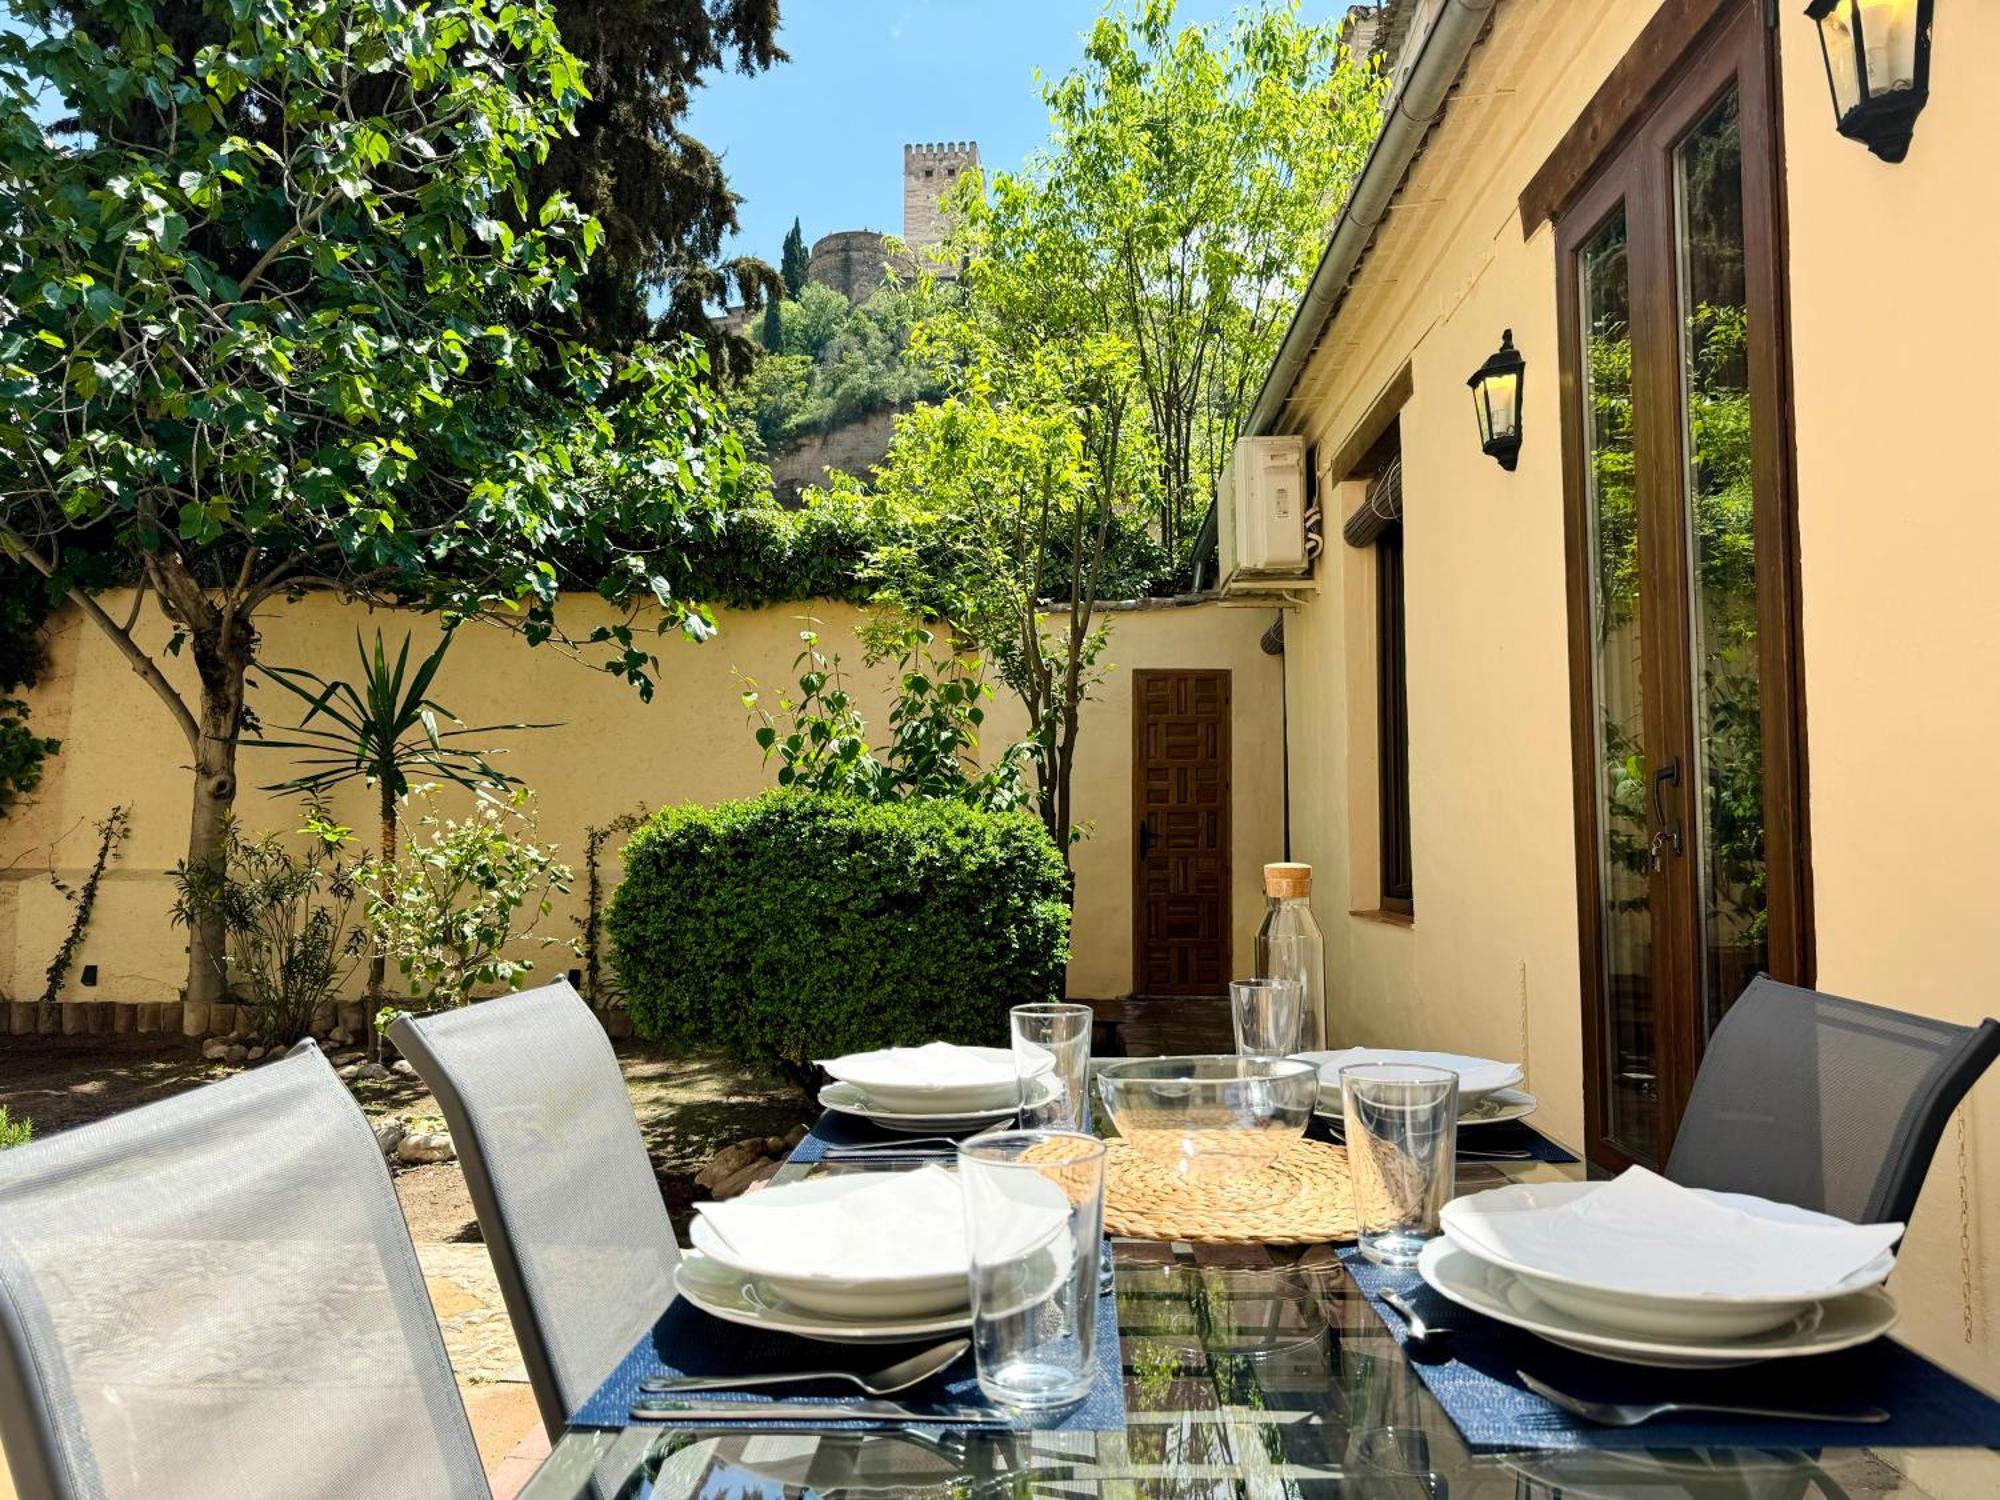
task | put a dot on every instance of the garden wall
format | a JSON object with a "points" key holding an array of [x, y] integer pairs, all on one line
{"points": [[611, 753]]}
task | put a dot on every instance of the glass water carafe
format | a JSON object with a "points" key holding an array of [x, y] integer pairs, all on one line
{"points": [[1289, 946]]}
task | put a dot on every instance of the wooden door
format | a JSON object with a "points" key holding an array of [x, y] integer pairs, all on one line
{"points": [[1687, 715], [1180, 881]]}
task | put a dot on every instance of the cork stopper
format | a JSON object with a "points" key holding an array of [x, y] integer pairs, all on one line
{"points": [[1288, 882]]}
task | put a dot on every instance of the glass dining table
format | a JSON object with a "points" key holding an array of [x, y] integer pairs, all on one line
{"points": [[1249, 1371]]}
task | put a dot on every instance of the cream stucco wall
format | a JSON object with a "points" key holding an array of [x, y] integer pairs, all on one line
{"points": [[612, 751], [1894, 316]]}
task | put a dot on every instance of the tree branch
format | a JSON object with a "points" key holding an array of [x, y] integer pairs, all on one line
{"points": [[143, 664]]}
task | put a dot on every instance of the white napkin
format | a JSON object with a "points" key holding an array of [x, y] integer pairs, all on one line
{"points": [[908, 1224], [935, 1065], [1642, 1233]]}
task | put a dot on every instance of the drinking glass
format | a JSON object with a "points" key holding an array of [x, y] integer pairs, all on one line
{"points": [[1057, 1098], [1034, 1219], [1401, 1124], [1266, 1013]]}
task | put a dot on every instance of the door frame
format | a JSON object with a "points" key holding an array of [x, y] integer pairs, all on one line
{"points": [[1140, 676], [1634, 170]]}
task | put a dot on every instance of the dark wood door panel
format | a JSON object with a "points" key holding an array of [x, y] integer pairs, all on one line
{"points": [[1180, 734]]}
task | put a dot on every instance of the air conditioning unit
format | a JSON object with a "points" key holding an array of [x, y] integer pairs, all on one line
{"points": [[1261, 520]]}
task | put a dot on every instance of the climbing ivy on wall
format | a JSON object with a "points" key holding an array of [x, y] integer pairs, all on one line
{"points": [[23, 606]]}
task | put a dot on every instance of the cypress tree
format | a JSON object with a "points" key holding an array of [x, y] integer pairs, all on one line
{"points": [[662, 196], [773, 332], [793, 261]]}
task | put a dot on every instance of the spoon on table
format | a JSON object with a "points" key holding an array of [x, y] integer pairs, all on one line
{"points": [[1414, 1325], [883, 1382]]}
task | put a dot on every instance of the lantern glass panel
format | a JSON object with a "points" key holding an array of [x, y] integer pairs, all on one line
{"points": [[1503, 397], [1836, 35], [1483, 413], [1889, 45]]}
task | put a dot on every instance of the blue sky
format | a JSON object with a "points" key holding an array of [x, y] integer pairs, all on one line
{"points": [[821, 137]]}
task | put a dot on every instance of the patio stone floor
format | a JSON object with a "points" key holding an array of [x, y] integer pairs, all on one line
{"points": [[492, 1381]]}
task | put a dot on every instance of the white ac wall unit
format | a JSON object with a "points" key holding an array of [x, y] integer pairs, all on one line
{"points": [[1261, 525]]}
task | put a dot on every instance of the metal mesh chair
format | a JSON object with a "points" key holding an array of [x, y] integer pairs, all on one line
{"points": [[1826, 1103], [216, 1295], [560, 1179]]}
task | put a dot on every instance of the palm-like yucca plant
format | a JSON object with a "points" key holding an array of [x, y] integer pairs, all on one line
{"points": [[383, 731]]}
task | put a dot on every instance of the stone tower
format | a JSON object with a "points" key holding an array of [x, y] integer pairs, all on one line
{"points": [[929, 172]]}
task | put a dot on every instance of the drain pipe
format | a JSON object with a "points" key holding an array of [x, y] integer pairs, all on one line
{"points": [[1440, 54]]}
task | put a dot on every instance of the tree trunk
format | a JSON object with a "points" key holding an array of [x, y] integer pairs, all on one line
{"points": [[378, 964], [222, 644], [222, 659]]}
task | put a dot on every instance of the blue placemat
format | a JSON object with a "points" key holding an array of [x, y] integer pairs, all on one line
{"points": [[1473, 1378], [687, 1341], [1502, 1135], [833, 1129]]}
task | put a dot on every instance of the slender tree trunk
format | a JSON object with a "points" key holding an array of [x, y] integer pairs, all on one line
{"points": [[222, 662], [378, 965], [222, 644]]}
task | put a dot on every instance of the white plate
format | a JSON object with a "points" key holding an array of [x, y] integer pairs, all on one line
{"points": [[892, 1080], [737, 1298], [1655, 1314], [928, 1282], [1486, 1288], [1477, 1076], [846, 1099], [1501, 1104]]}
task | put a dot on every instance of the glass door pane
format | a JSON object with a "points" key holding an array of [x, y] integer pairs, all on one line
{"points": [[1720, 510], [1631, 1037]]}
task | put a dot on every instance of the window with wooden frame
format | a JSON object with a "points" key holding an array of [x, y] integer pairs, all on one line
{"points": [[1377, 527], [1392, 720], [1687, 714]]}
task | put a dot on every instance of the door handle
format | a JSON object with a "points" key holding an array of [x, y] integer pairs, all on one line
{"points": [[1665, 835]]}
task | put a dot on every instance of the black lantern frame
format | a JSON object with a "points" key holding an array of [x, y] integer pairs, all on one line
{"points": [[1879, 112], [1496, 402]]}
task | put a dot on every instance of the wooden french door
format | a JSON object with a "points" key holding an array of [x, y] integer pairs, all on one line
{"points": [[1687, 722], [1180, 788]]}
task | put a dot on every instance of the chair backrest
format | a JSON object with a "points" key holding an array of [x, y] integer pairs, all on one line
{"points": [[565, 1193], [216, 1295], [1826, 1103]]}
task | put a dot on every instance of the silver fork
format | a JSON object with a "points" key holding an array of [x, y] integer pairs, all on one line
{"points": [[916, 1145], [1617, 1414], [926, 1145]]}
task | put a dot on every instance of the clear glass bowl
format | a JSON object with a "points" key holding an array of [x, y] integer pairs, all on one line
{"points": [[1210, 1113]]}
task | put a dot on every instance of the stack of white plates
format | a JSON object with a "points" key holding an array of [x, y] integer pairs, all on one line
{"points": [[939, 1087], [1486, 1088], [1645, 1271], [873, 1257]]}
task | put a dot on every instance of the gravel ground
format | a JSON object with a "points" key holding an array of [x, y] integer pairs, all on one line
{"points": [[688, 1109]]}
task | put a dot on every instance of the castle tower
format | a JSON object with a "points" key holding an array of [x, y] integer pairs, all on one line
{"points": [[930, 171]]}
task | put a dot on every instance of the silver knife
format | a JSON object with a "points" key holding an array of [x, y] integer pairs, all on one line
{"points": [[697, 1414]]}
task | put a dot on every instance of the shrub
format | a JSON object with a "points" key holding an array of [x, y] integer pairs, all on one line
{"points": [[799, 926], [463, 893], [14, 1132], [820, 741], [290, 945]]}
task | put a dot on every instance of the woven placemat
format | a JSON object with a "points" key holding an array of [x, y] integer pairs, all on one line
{"points": [[1304, 1197]]}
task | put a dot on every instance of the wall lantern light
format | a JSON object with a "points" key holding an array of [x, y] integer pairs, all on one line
{"points": [[1496, 401], [1878, 64]]}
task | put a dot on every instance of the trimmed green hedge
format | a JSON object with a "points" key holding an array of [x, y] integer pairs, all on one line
{"points": [[799, 926], [765, 554]]}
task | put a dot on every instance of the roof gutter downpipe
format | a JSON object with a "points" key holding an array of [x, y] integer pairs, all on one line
{"points": [[1441, 54]]}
